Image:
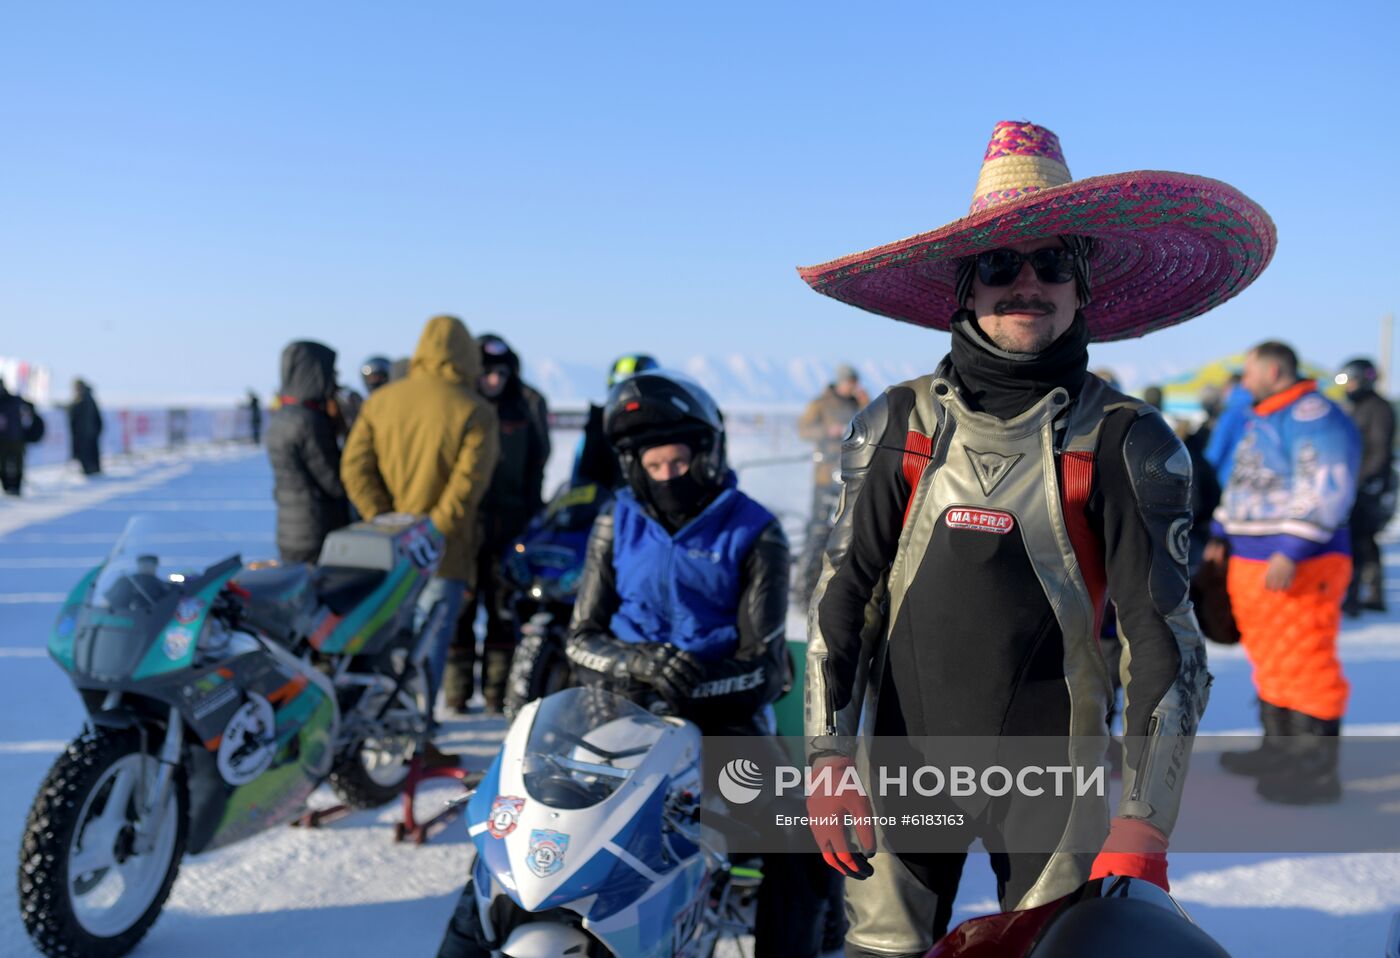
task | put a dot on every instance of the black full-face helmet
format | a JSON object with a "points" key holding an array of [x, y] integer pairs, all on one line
{"points": [[660, 407], [1359, 373], [374, 371]]}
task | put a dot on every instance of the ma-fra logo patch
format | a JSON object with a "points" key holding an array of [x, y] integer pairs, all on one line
{"points": [[979, 520]]}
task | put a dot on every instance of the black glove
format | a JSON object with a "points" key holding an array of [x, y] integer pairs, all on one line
{"points": [[671, 671]]}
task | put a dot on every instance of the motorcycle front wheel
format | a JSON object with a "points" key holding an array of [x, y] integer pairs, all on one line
{"points": [[94, 872]]}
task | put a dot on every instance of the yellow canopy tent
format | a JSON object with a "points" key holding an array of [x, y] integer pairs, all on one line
{"points": [[1182, 395]]}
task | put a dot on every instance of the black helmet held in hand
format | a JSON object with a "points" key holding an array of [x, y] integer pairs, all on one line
{"points": [[658, 407]]}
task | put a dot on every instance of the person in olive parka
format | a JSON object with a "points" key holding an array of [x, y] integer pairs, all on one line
{"points": [[305, 458]]}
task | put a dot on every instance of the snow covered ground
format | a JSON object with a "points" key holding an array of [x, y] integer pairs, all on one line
{"points": [[349, 890]]}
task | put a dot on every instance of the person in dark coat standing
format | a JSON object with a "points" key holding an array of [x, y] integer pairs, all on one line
{"points": [[1375, 492], [19, 425], [255, 416], [305, 457], [85, 428], [512, 499]]}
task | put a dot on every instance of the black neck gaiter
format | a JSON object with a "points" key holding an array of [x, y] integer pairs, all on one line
{"points": [[1007, 384], [677, 501]]}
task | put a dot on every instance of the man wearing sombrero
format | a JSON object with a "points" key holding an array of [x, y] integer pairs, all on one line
{"points": [[991, 506]]}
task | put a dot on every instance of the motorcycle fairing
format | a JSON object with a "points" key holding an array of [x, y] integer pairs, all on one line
{"points": [[306, 721], [398, 545], [65, 629], [159, 659], [632, 912], [363, 628], [279, 599], [547, 560], [633, 891]]}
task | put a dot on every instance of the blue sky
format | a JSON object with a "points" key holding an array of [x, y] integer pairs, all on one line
{"points": [[189, 186]]}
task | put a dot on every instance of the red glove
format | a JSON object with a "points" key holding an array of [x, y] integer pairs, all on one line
{"points": [[830, 802], [1134, 849]]}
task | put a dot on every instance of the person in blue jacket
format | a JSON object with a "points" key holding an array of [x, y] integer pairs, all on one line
{"points": [[1284, 515], [1228, 430], [683, 600], [682, 607]]}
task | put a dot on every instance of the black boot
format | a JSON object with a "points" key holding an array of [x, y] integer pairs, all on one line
{"points": [[1308, 775], [1269, 755], [1373, 588]]}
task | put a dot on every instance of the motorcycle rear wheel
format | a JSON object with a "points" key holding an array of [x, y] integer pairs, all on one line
{"points": [[83, 888], [374, 773]]}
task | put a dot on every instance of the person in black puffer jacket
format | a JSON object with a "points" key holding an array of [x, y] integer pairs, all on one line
{"points": [[1375, 420], [19, 425], [305, 458]]}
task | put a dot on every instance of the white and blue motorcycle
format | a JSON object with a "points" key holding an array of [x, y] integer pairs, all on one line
{"points": [[589, 843]]}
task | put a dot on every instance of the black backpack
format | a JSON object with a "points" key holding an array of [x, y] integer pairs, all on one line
{"points": [[31, 422]]}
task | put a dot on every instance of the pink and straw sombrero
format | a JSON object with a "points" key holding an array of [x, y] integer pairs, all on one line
{"points": [[1168, 246]]}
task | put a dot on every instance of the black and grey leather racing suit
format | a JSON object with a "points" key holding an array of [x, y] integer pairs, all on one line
{"points": [[960, 596]]}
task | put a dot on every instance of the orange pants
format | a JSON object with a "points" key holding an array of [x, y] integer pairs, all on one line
{"points": [[1291, 637]]}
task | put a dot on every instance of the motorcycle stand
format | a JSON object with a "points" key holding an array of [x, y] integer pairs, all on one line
{"points": [[322, 816], [410, 827], [419, 832]]}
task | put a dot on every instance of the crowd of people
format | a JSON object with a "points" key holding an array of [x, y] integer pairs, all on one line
{"points": [[1282, 541], [955, 597], [456, 429], [1006, 543], [21, 425]]}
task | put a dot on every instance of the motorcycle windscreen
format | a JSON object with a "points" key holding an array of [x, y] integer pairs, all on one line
{"points": [[584, 744], [147, 580]]}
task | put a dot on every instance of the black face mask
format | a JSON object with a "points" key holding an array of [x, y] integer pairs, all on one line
{"points": [[678, 500]]}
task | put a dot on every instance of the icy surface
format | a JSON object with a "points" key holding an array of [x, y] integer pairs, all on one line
{"points": [[349, 890]]}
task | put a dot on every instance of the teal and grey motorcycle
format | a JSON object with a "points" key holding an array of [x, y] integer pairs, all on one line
{"points": [[218, 696]]}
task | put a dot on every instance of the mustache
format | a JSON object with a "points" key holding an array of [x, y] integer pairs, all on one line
{"points": [[1019, 304]]}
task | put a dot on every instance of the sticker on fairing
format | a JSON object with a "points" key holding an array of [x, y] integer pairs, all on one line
{"points": [[248, 742], [980, 520], [546, 854], [188, 610], [505, 815], [177, 642]]}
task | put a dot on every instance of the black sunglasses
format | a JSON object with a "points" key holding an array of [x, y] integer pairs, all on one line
{"points": [[1000, 267]]}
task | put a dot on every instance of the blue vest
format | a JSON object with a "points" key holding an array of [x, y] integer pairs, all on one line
{"points": [[684, 588]]}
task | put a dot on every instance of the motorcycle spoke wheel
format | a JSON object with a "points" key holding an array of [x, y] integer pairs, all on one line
{"points": [[95, 868], [373, 773]]}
